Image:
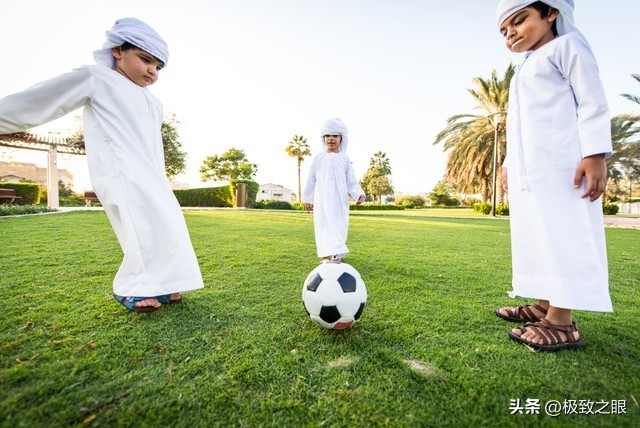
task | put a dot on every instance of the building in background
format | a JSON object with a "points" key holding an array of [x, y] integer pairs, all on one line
{"points": [[275, 192], [16, 172]]}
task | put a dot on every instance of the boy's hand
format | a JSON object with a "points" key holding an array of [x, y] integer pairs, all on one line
{"points": [[360, 200], [308, 206], [594, 168], [504, 179]]}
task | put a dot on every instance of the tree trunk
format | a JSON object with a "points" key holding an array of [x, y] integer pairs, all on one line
{"points": [[299, 185]]}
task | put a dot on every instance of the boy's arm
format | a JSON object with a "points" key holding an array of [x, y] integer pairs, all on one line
{"points": [[310, 187], [353, 187], [46, 101], [578, 65]]}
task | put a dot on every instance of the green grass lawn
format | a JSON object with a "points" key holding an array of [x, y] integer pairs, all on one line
{"points": [[428, 350]]}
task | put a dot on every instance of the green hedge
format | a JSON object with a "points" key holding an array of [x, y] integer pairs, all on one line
{"points": [[610, 209], [272, 205], [6, 210], [29, 192], [376, 207], [205, 197], [485, 208]]}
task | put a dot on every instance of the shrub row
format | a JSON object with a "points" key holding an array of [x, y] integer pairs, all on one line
{"points": [[485, 208], [23, 209], [28, 192], [503, 209], [376, 207], [205, 197]]}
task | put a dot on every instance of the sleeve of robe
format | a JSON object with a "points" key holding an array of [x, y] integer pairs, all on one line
{"points": [[310, 187], [353, 188], [46, 101], [576, 62]]}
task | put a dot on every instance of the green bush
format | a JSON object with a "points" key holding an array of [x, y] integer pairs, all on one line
{"points": [[482, 207], [410, 201], [252, 191], [23, 209], [502, 209], [375, 207], [28, 192], [272, 205], [485, 208], [205, 197], [610, 209]]}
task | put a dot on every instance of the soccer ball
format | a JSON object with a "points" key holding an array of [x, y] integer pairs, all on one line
{"points": [[334, 295]]}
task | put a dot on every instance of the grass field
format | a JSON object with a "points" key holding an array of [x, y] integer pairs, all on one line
{"points": [[428, 350]]}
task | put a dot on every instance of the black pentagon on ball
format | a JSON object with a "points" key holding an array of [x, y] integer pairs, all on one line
{"points": [[347, 282], [329, 314], [360, 309], [314, 282]]}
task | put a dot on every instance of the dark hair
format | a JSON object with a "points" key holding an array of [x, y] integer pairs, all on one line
{"points": [[545, 10], [126, 46]]}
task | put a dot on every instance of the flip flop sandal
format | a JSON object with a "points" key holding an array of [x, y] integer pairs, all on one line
{"points": [[522, 313], [130, 303], [551, 338]]}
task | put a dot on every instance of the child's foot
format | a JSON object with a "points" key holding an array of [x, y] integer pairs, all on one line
{"points": [[548, 337], [170, 298], [138, 304], [522, 313]]}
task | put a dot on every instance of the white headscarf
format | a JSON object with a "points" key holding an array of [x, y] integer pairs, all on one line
{"points": [[335, 127], [564, 22], [137, 33]]}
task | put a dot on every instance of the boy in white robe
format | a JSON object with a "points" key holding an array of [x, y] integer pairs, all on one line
{"points": [[558, 135], [331, 180], [122, 122]]}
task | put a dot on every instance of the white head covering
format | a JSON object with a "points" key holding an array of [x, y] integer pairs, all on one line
{"points": [[564, 22], [137, 33], [335, 127]]}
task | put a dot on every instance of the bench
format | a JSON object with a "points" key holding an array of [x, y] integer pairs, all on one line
{"points": [[90, 197], [8, 196]]}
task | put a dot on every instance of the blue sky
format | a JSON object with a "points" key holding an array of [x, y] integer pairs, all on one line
{"points": [[251, 74]]}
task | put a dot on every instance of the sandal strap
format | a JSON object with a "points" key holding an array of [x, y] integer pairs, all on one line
{"points": [[525, 310], [549, 333]]}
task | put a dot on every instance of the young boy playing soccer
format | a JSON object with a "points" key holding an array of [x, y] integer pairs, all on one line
{"points": [[122, 122], [558, 135], [331, 181]]}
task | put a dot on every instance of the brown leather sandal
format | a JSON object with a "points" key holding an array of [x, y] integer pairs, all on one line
{"points": [[551, 338], [521, 313]]}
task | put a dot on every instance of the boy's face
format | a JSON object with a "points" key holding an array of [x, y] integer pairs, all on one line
{"points": [[333, 143], [526, 30], [139, 66]]}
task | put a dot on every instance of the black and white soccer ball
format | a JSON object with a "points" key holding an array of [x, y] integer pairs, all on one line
{"points": [[334, 295]]}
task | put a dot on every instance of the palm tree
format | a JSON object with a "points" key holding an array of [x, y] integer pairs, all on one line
{"points": [[380, 163], [624, 163], [630, 97], [471, 138], [298, 148]]}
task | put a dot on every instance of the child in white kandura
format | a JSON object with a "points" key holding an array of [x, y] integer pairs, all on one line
{"points": [[558, 136], [122, 122], [331, 181]]}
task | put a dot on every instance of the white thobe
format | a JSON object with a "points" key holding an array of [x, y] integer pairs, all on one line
{"points": [[558, 115], [331, 180], [122, 123]]}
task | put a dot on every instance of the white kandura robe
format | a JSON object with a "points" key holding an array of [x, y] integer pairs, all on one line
{"points": [[558, 114], [122, 123], [331, 181]]}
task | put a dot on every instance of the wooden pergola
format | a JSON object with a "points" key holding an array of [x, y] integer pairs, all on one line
{"points": [[51, 145]]}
